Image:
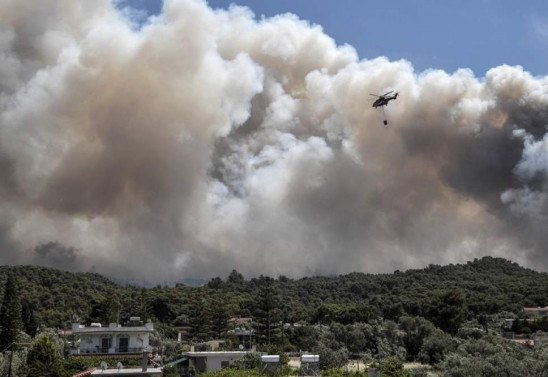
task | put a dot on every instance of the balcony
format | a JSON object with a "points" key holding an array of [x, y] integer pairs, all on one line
{"points": [[89, 350], [103, 350], [129, 350]]}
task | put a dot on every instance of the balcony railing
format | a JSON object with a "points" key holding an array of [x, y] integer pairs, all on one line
{"points": [[129, 350], [94, 350]]}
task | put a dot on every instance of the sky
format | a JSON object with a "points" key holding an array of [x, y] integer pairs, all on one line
{"points": [[430, 34], [160, 145]]}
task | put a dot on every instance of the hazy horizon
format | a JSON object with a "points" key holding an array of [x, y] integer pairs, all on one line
{"points": [[201, 281]]}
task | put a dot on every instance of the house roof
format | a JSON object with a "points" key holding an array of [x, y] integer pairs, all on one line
{"points": [[216, 353], [128, 371], [111, 330], [129, 355]]}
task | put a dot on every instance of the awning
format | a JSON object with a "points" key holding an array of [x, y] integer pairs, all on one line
{"points": [[178, 361]]}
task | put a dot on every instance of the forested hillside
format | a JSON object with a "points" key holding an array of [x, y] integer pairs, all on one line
{"points": [[55, 295], [445, 317], [484, 286]]}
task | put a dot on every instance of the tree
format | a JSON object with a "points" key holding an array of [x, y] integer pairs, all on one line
{"points": [[43, 359], [267, 312], [392, 367], [10, 314], [435, 347], [330, 358], [215, 283], [235, 278], [345, 314], [219, 316], [416, 330], [303, 337], [484, 322], [199, 317], [29, 321], [161, 309], [448, 310], [105, 310], [170, 371]]}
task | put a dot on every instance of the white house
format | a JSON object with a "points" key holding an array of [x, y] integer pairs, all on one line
{"points": [[114, 338]]}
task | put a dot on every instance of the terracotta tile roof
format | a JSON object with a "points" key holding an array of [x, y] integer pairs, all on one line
{"points": [[536, 309]]}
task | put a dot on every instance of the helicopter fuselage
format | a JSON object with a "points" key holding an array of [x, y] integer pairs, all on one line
{"points": [[383, 101]]}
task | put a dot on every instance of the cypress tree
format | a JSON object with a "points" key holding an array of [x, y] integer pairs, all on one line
{"points": [[29, 321], [10, 314]]}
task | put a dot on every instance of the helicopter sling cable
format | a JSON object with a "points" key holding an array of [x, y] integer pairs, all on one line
{"points": [[385, 117]]}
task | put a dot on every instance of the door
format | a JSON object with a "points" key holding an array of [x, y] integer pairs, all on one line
{"points": [[105, 345], [123, 344]]}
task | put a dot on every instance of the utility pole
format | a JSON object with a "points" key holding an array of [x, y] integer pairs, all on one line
{"points": [[268, 328], [11, 359], [11, 347], [282, 335]]}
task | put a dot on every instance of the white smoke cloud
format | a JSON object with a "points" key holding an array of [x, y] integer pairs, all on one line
{"points": [[206, 140]]}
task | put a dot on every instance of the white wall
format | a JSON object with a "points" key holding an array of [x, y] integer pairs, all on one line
{"points": [[214, 362], [133, 343], [89, 343]]}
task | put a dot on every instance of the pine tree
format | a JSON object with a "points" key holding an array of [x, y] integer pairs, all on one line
{"points": [[267, 314], [10, 314], [219, 316], [199, 316]]}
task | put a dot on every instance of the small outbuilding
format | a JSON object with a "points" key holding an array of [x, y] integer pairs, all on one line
{"points": [[310, 365], [211, 361], [270, 364]]}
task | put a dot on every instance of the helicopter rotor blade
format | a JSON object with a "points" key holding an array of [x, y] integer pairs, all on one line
{"points": [[387, 93], [374, 95]]}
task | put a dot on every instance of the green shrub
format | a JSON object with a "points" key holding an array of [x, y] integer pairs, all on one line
{"points": [[228, 372], [392, 367]]}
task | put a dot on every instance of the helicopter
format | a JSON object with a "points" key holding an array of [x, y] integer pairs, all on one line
{"points": [[383, 100]]}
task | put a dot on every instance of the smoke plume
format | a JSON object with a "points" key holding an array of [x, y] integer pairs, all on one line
{"points": [[205, 140]]}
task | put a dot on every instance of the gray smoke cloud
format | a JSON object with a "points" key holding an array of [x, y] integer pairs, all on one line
{"points": [[206, 140], [53, 254]]}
